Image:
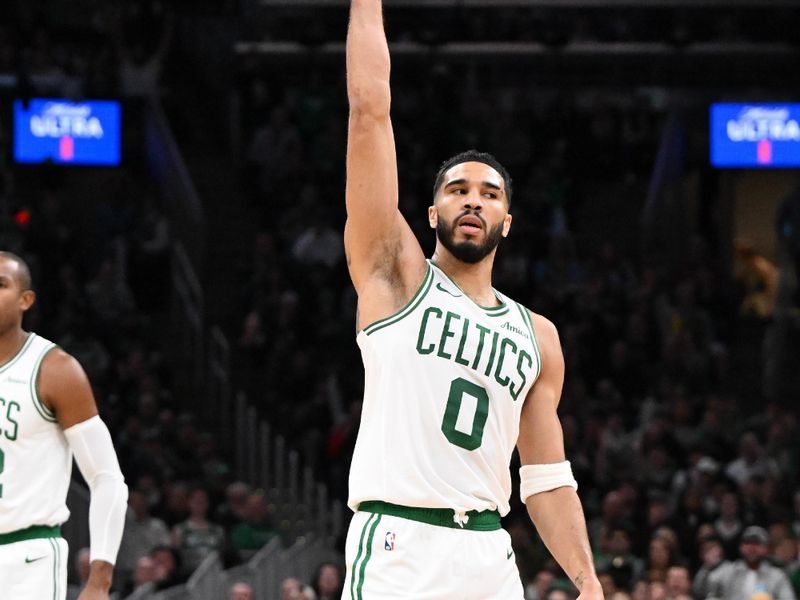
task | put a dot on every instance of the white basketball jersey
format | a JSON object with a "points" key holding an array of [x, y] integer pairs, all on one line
{"points": [[445, 381], [35, 460]]}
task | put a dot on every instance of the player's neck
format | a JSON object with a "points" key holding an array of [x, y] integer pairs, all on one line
{"points": [[10, 343], [474, 279]]}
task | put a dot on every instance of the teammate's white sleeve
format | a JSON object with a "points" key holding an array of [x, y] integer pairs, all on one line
{"points": [[94, 452]]}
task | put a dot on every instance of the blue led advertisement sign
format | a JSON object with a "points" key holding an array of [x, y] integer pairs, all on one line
{"points": [[755, 135], [69, 133]]}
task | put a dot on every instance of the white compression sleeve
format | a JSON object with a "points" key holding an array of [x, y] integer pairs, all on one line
{"points": [[94, 452], [535, 479]]}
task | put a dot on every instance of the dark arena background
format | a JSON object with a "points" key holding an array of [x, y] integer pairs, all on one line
{"points": [[174, 174]]}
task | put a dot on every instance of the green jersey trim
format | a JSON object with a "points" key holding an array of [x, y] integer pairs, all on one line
{"points": [[407, 309], [47, 414], [526, 316], [11, 361], [354, 574], [487, 520], [36, 532], [491, 311], [56, 564], [367, 556]]}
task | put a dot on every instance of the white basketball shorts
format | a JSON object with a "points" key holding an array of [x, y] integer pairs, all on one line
{"points": [[391, 557], [34, 569]]}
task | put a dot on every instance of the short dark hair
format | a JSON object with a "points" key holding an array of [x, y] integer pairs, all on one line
{"points": [[24, 275], [473, 156]]}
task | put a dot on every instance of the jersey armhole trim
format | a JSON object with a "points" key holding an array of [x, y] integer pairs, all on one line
{"points": [[407, 309], [19, 354], [46, 413], [526, 317]]}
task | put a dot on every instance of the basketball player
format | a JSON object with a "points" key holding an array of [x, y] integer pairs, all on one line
{"points": [[456, 375], [47, 415]]}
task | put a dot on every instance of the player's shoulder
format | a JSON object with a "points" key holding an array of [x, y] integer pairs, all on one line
{"points": [[58, 362], [543, 327]]}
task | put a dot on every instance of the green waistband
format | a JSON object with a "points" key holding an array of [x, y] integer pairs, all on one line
{"points": [[487, 520], [31, 533]]}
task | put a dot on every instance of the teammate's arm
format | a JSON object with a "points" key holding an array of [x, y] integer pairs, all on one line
{"points": [[378, 241], [557, 513], [64, 388]]}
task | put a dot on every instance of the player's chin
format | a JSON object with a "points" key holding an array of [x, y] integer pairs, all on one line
{"points": [[471, 235]]}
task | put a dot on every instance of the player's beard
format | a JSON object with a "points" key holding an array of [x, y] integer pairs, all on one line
{"points": [[468, 251]]}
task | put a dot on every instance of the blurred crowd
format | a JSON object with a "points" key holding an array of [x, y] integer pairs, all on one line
{"points": [[84, 49]]}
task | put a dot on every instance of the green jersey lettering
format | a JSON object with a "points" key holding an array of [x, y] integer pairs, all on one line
{"points": [[428, 311]]}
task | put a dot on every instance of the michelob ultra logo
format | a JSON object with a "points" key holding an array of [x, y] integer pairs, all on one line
{"points": [[64, 132], [756, 123], [755, 135], [60, 118]]}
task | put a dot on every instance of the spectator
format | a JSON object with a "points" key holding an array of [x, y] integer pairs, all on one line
{"points": [[166, 567], [678, 583], [785, 555], [319, 245], [144, 579], [751, 462], [759, 278], [559, 594], [142, 533], [256, 530], [712, 558], [328, 581], [197, 537], [109, 296], [607, 583], [728, 527], [241, 591], [660, 558], [752, 574], [617, 559], [657, 590], [290, 589], [232, 511], [537, 589], [140, 70]]}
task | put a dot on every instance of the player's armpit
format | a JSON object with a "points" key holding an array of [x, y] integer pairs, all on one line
{"points": [[64, 388]]}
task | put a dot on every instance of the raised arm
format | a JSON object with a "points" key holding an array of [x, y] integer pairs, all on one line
{"points": [[557, 513], [378, 241]]}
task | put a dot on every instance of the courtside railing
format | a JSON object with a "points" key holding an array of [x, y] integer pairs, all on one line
{"points": [[265, 572]]}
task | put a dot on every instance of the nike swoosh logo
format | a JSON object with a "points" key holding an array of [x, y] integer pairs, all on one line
{"points": [[441, 289], [30, 560], [509, 554]]}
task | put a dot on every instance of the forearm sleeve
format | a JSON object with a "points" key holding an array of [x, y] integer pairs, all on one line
{"points": [[94, 452]]}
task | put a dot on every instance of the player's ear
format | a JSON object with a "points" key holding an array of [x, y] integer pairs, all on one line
{"points": [[506, 225], [26, 299], [433, 216]]}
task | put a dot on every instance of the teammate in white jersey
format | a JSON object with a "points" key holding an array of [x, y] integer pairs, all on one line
{"points": [[47, 416], [456, 375]]}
